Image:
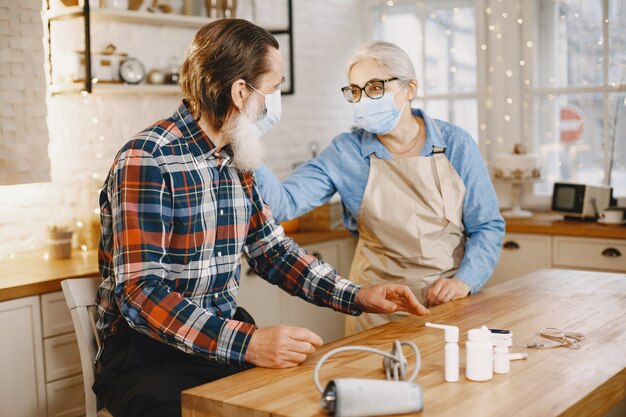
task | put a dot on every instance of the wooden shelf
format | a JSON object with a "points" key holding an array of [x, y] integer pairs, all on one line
{"points": [[133, 16], [115, 88]]}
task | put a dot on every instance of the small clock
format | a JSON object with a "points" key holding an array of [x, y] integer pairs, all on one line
{"points": [[132, 71]]}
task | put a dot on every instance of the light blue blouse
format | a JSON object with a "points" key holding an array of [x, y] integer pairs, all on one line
{"points": [[344, 167]]}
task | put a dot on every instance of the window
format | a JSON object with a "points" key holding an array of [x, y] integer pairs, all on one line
{"points": [[440, 37], [577, 88], [549, 74]]}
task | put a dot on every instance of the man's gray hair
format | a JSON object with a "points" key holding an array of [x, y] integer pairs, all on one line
{"points": [[387, 54]]}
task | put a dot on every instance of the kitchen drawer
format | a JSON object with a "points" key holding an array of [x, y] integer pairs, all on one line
{"points": [[521, 254], [62, 358], [590, 253], [66, 397], [55, 316]]}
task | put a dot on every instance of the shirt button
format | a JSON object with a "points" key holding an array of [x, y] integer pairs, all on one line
{"points": [[221, 212], [217, 154], [216, 295], [219, 254]]}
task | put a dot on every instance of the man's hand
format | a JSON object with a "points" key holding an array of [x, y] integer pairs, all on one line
{"points": [[389, 298], [446, 290], [281, 346]]}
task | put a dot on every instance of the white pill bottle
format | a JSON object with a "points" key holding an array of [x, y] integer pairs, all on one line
{"points": [[479, 359]]}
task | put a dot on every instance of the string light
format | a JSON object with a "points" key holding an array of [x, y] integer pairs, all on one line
{"points": [[522, 63], [390, 3], [509, 100]]}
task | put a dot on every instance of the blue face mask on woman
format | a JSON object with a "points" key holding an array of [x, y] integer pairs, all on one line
{"points": [[378, 116]]}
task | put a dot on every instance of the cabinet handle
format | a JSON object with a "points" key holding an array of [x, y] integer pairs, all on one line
{"points": [[511, 245], [611, 253], [318, 255]]}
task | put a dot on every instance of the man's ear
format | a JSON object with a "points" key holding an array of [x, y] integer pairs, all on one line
{"points": [[239, 93]]}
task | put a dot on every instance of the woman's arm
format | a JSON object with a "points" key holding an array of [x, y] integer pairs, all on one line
{"points": [[309, 186], [483, 223]]}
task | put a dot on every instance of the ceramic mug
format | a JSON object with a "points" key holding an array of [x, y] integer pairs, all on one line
{"points": [[612, 216]]}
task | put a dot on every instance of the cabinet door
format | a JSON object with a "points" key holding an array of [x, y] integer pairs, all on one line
{"points": [[22, 389], [589, 253], [327, 323], [521, 254], [258, 297]]}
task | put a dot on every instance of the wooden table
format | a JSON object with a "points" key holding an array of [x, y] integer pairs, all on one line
{"points": [[551, 382]]}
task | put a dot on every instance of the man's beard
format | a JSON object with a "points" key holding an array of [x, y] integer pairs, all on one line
{"points": [[248, 148]]}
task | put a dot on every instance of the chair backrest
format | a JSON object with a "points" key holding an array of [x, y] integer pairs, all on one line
{"points": [[80, 296]]}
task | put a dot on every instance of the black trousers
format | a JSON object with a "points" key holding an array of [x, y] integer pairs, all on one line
{"points": [[137, 376]]}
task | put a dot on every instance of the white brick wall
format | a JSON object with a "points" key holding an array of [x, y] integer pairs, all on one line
{"points": [[23, 141], [86, 132]]}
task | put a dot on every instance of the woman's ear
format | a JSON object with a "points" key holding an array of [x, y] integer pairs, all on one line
{"points": [[239, 93], [411, 90]]}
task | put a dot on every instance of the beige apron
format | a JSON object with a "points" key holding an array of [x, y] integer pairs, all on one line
{"points": [[410, 228]]}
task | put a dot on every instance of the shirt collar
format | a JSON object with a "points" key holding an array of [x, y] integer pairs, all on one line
{"points": [[370, 143], [200, 144]]}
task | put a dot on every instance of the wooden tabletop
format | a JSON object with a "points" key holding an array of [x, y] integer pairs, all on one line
{"points": [[31, 273], [552, 382], [555, 224]]}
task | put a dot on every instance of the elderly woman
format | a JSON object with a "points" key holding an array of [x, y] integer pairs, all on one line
{"points": [[414, 189]]}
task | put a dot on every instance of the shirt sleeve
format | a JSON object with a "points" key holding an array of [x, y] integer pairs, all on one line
{"points": [[483, 223], [309, 186], [141, 206], [280, 261]]}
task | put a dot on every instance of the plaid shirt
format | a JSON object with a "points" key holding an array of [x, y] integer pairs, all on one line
{"points": [[176, 217]]}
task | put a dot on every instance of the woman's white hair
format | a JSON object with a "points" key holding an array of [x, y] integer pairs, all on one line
{"points": [[387, 54]]}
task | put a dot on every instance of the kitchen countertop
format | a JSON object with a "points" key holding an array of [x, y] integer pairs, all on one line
{"points": [[552, 382], [554, 224], [30, 274]]}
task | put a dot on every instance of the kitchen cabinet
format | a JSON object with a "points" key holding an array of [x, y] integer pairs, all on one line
{"points": [[269, 305], [524, 253], [63, 371], [22, 386]]}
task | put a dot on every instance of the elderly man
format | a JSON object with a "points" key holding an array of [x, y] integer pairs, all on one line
{"points": [[178, 209]]}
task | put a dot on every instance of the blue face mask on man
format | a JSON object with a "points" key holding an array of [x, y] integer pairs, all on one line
{"points": [[378, 116], [271, 114]]}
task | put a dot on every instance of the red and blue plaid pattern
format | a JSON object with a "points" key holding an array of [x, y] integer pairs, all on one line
{"points": [[176, 216]]}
